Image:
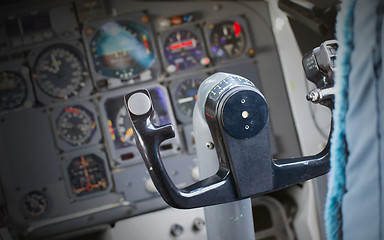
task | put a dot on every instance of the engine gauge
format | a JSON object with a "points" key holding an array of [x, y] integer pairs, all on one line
{"points": [[60, 71], [35, 203], [87, 174], [186, 95], [122, 50], [182, 50], [227, 40], [75, 125], [124, 128], [13, 90]]}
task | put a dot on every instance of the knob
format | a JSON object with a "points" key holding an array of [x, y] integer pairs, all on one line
{"points": [[150, 186], [195, 174], [198, 224], [176, 230]]}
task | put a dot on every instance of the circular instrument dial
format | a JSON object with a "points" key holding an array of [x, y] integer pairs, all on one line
{"points": [[122, 50], [87, 174], [13, 90], [35, 203], [76, 125], [124, 127], [60, 71], [182, 50], [227, 40], [186, 95]]}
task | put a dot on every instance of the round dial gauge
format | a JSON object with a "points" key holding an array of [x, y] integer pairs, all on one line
{"points": [[227, 40], [13, 90], [124, 127], [122, 50], [186, 95], [76, 125], [35, 203], [87, 174], [182, 50], [60, 71]]}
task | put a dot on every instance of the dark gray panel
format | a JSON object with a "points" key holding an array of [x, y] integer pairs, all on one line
{"points": [[28, 149]]}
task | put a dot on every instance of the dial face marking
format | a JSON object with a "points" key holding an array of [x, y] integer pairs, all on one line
{"points": [[13, 90], [76, 125], [122, 50], [182, 49], [87, 174], [227, 40], [60, 71]]}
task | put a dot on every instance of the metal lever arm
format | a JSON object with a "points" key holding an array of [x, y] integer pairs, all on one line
{"points": [[212, 190], [292, 171]]}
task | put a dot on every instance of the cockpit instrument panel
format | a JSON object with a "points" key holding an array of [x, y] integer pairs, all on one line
{"points": [[183, 48], [62, 83], [87, 174], [60, 72], [76, 126], [121, 51]]}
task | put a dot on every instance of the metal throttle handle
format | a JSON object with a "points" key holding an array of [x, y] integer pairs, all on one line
{"points": [[236, 114], [213, 190]]}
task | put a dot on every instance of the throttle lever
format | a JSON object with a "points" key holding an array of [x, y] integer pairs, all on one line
{"points": [[236, 115], [213, 190]]}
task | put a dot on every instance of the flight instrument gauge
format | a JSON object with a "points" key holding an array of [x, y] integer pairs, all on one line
{"points": [[182, 50], [60, 71], [122, 50], [35, 203], [124, 128], [13, 90], [76, 125], [184, 97], [87, 174], [227, 40]]}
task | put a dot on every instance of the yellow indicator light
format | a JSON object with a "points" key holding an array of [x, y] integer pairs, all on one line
{"points": [[129, 132], [145, 19], [89, 31]]}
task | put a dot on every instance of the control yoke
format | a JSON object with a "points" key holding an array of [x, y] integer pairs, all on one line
{"points": [[236, 113]]}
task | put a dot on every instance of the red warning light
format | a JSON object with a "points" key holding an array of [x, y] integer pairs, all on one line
{"points": [[237, 28]]}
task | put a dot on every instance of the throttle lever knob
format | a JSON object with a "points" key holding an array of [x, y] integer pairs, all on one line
{"points": [[139, 104]]}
